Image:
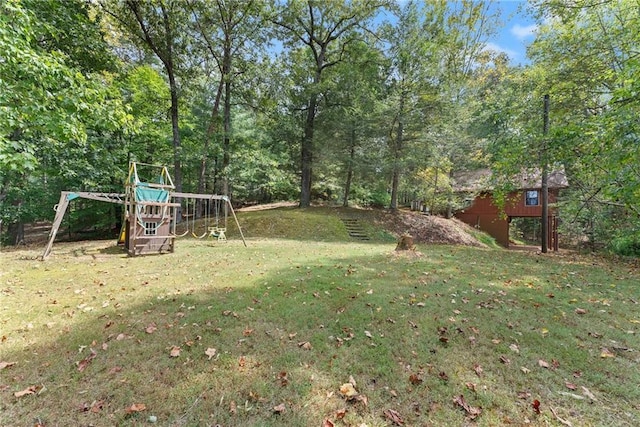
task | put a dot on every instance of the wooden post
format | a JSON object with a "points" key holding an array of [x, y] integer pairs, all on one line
{"points": [[545, 178], [61, 208]]}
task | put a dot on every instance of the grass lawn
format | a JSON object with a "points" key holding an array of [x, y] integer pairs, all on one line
{"points": [[316, 330]]}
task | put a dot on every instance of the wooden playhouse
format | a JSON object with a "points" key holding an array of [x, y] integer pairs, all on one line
{"points": [[149, 213]]}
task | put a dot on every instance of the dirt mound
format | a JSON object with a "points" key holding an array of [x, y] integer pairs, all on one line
{"points": [[429, 229]]}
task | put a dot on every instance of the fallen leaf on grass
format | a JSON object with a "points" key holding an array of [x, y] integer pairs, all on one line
{"points": [[30, 390], [478, 369], [472, 411], [505, 360], [115, 370], [514, 348], [233, 408], [305, 345], [362, 399], [570, 386], [543, 364], [340, 413], [6, 365], [536, 406], [211, 352], [327, 423], [82, 365], [280, 409], [415, 379], [95, 407], [283, 378], [136, 407], [151, 328], [348, 391], [175, 351], [580, 311], [605, 352], [394, 417]]}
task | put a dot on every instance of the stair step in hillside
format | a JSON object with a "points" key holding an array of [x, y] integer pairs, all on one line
{"points": [[355, 229]]}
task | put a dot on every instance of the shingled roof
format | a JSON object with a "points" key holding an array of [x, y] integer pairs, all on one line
{"points": [[480, 180]]}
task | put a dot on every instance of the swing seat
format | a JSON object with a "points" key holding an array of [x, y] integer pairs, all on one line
{"points": [[219, 233]]}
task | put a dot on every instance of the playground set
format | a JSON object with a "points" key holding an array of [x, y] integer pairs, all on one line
{"points": [[151, 209]]}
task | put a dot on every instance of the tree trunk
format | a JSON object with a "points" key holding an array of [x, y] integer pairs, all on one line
{"points": [[226, 143], [177, 143], [352, 155], [15, 232], [435, 189], [307, 154], [397, 150], [211, 130], [449, 213], [545, 179]]}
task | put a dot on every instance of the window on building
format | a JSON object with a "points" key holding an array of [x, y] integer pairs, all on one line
{"points": [[532, 198], [150, 228]]}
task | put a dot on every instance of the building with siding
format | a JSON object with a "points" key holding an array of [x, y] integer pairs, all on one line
{"points": [[525, 200]]}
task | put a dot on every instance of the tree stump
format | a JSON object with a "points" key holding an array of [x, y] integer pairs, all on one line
{"points": [[405, 243]]}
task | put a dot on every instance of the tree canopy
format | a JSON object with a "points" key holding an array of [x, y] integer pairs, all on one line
{"points": [[367, 102]]}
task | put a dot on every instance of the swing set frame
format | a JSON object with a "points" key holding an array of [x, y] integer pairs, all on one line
{"points": [[151, 210], [216, 231]]}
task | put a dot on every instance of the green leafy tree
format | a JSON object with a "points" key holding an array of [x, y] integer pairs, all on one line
{"points": [[588, 50], [349, 130], [160, 26], [232, 35], [325, 29], [50, 109], [147, 97], [412, 77]]}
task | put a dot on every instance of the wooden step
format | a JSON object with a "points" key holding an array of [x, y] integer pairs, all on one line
{"points": [[354, 229]]}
